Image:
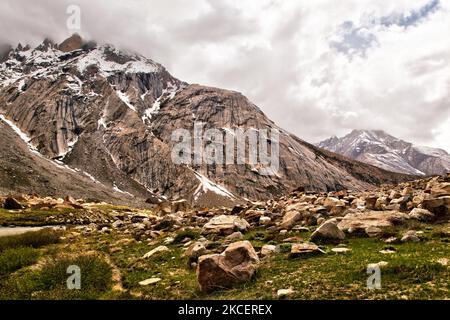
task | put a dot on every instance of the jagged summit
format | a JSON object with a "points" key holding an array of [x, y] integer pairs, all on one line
{"points": [[378, 148], [74, 42]]}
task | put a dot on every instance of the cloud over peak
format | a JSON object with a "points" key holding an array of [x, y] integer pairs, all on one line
{"points": [[318, 68]]}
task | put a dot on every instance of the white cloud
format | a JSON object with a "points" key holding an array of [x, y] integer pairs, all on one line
{"points": [[278, 53]]}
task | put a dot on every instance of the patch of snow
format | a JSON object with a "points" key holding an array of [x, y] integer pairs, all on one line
{"points": [[21, 85], [392, 162], [207, 185], [167, 94], [97, 57], [144, 95], [125, 99], [121, 191], [75, 84], [91, 177], [101, 122], [62, 165], [69, 149], [20, 133]]}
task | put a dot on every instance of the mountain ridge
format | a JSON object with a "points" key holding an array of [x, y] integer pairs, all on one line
{"points": [[110, 113]]}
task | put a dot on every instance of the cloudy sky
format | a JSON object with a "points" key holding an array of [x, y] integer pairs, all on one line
{"points": [[318, 68]]}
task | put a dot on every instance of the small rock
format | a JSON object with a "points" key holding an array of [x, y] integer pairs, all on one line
{"points": [[410, 236], [304, 250], [117, 224], [284, 293], [340, 250], [443, 261], [105, 230], [235, 236], [168, 240], [187, 244], [149, 281], [382, 264], [167, 222], [373, 231], [156, 250], [291, 218], [195, 251], [264, 220], [388, 250], [268, 249], [12, 204], [392, 240]]}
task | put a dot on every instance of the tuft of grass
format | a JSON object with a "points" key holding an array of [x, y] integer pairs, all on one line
{"points": [[34, 239], [17, 258], [50, 283]]}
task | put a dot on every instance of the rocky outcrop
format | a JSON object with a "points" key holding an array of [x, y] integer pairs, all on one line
{"points": [[365, 222]]}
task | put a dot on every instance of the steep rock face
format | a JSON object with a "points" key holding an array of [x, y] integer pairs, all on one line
{"points": [[22, 171], [299, 162], [111, 114], [385, 151]]}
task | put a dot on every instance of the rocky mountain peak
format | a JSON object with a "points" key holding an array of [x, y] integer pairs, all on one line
{"points": [[109, 114], [46, 45], [74, 42]]}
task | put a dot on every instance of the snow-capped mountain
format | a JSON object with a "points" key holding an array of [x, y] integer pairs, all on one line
{"points": [[107, 115], [380, 149]]}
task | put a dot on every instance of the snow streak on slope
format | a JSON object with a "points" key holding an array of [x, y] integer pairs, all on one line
{"points": [[20, 133], [207, 185], [126, 100]]}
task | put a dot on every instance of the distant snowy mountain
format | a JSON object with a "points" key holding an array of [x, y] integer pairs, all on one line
{"points": [[380, 149]]}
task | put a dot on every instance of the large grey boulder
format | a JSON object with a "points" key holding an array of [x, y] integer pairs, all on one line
{"points": [[225, 225], [328, 232], [237, 264]]}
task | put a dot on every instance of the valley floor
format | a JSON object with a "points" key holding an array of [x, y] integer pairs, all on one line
{"points": [[34, 265]]}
